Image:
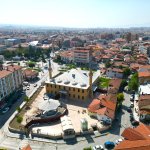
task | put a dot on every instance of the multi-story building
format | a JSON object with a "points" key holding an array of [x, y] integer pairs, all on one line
{"points": [[11, 79], [75, 84], [81, 56], [11, 42]]}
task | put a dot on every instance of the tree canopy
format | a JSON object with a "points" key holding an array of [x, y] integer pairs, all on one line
{"points": [[120, 98], [133, 83]]}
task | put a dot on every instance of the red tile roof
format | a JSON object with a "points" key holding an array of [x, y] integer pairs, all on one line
{"points": [[134, 145], [4, 73], [103, 107], [135, 138], [144, 74], [27, 147]]}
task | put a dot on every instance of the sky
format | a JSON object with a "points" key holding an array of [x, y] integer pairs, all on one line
{"points": [[76, 13]]}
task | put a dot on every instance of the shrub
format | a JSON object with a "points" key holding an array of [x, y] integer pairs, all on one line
{"points": [[19, 119], [87, 148], [18, 109]]}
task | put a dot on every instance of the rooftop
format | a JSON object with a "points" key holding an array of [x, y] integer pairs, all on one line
{"points": [[74, 78], [144, 89]]}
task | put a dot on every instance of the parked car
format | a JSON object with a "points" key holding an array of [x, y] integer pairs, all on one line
{"points": [[118, 141], [5, 110], [35, 85], [109, 145], [129, 110], [135, 123], [98, 147], [132, 105], [28, 88]]}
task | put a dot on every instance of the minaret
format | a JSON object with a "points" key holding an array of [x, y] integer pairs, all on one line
{"points": [[90, 83], [90, 76], [50, 66], [50, 69]]}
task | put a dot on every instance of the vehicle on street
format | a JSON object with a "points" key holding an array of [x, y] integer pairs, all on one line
{"points": [[35, 85], [129, 110], [132, 97], [45, 97], [132, 105], [98, 147], [135, 123], [25, 83], [109, 145], [118, 141], [5, 110], [28, 88]]}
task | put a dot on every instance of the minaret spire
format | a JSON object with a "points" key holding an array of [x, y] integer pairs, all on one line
{"points": [[90, 76]]}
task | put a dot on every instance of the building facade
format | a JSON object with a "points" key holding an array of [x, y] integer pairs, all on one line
{"points": [[81, 56], [11, 79], [74, 84]]}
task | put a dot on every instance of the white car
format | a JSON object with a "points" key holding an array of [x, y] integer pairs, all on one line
{"points": [[98, 147], [118, 141], [35, 85], [45, 97], [5, 110], [28, 88]]}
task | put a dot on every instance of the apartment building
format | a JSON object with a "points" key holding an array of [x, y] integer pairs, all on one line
{"points": [[11, 79], [81, 56]]}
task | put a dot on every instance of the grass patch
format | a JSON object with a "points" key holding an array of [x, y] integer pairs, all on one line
{"points": [[103, 82]]}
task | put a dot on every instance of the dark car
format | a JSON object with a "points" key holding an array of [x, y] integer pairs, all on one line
{"points": [[129, 110], [109, 145], [135, 123]]}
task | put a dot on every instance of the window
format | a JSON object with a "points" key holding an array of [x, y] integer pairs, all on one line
{"points": [[69, 95], [51, 85], [78, 90], [73, 89], [78, 96], [82, 97], [64, 88], [69, 88], [82, 91], [55, 86], [59, 86], [73, 96]]}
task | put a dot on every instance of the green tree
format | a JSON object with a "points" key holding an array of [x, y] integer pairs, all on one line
{"points": [[19, 119], [26, 99], [126, 72], [31, 64], [18, 109], [120, 98], [87, 148], [133, 83], [107, 64]]}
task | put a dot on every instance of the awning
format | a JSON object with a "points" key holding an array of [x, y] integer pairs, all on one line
{"points": [[94, 88]]}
